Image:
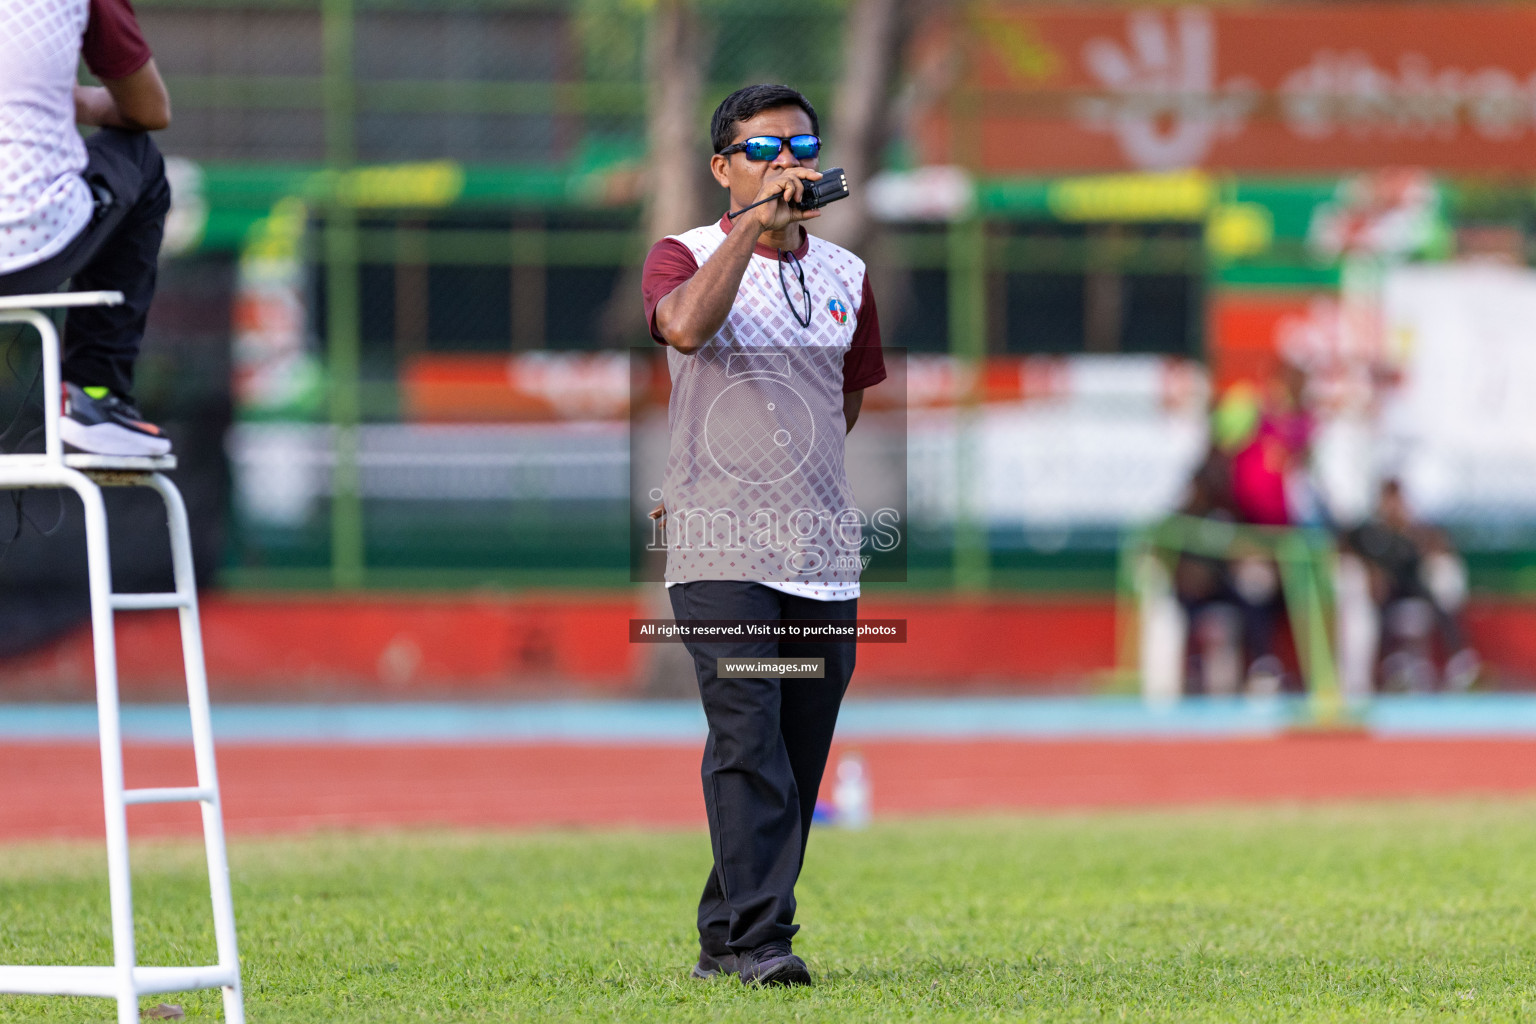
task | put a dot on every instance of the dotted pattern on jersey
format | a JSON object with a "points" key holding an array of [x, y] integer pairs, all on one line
{"points": [[755, 476], [44, 203]]}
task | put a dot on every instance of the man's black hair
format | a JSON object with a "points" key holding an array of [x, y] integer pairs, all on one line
{"points": [[745, 104]]}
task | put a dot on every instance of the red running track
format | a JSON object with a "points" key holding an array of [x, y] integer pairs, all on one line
{"points": [[54, 789]]}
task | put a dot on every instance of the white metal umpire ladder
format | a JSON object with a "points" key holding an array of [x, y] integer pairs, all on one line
{"points": [[125, 980]]}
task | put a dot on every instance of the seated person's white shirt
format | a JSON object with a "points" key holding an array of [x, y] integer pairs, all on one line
{"points": [[44, 202]]}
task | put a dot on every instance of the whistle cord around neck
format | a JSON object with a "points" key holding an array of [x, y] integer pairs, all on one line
{"points": [[800, 272]]}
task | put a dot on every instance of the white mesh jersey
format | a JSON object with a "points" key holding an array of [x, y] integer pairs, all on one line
{"points": [[755, 479], [44, 203]]}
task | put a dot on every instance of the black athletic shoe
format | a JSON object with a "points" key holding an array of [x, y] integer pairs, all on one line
{"points": [[773, 964], [714, 966], [97, 421]]}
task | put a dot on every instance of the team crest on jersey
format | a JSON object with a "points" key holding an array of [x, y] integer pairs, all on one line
{"points": [[838, 310]]}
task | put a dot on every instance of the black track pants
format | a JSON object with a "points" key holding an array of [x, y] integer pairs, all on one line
{"points": [[763, 762]]}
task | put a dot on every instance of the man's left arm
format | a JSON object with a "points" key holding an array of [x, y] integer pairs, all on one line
{"points": [[132, 94], [853, 401], [138, 102]]}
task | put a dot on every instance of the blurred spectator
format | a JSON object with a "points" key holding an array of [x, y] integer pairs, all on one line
{"points": [[1416, 583], [1269, 468], [1231, 603], [1256, 473]]}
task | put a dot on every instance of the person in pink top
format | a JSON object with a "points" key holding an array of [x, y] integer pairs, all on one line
{"points": [[90, 212], [1267, 469]]}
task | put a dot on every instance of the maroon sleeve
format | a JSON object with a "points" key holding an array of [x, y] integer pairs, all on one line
{"points": [[667, 265], [864, 363], [113, 46]]}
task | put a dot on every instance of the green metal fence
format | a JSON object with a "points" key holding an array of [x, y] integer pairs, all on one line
{"points": [[535, 110], [1305, 559]]}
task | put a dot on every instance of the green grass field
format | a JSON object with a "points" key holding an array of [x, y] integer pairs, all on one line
{"points": [[1354, 913]]}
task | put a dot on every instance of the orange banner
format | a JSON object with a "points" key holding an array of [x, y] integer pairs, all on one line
{"points": [[1308, 88]]}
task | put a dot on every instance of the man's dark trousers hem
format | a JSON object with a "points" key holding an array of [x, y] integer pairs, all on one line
{"points": [[118, 251], [763, 761]]}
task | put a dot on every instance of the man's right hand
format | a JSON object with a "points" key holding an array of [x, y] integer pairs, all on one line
{"points": [[788, 187], [691, 314]]}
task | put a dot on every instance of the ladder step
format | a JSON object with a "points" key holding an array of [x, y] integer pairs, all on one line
{"points": [[119, 463], [154, 980], [59, 300], [167, 795], [149, 602], [59, 981], [102, 981]]}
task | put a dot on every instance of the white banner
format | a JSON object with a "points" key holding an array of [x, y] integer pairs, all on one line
{"points": [[1461, 429]]}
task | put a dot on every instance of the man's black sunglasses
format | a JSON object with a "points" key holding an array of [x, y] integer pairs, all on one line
{"points": [[766, 147]]}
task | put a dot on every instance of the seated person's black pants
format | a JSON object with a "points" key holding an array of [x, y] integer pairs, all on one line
{"points": [[117, 251], [767, 748]]}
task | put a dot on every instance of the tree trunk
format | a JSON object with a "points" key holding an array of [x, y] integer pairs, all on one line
{"points": [[674, 190], [674, 133], [862, 112], [676, 157]]}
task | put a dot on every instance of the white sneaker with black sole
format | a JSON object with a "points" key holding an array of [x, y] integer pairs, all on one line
{"points": [[97, 421]]}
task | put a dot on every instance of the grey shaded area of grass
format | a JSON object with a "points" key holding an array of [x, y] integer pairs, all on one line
{"points": [[1351, 913]]}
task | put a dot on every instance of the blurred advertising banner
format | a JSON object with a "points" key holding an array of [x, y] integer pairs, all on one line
{"points": [[1461, 427], [1064, 443], [1270, 87], [480, 387], [1082, 442]]}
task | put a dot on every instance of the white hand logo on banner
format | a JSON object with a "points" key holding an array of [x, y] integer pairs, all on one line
{"points": [[1167, 110]]}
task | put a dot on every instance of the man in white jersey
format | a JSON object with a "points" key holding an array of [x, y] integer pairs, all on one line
{"points": [[88, 212], [773, 337]]}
